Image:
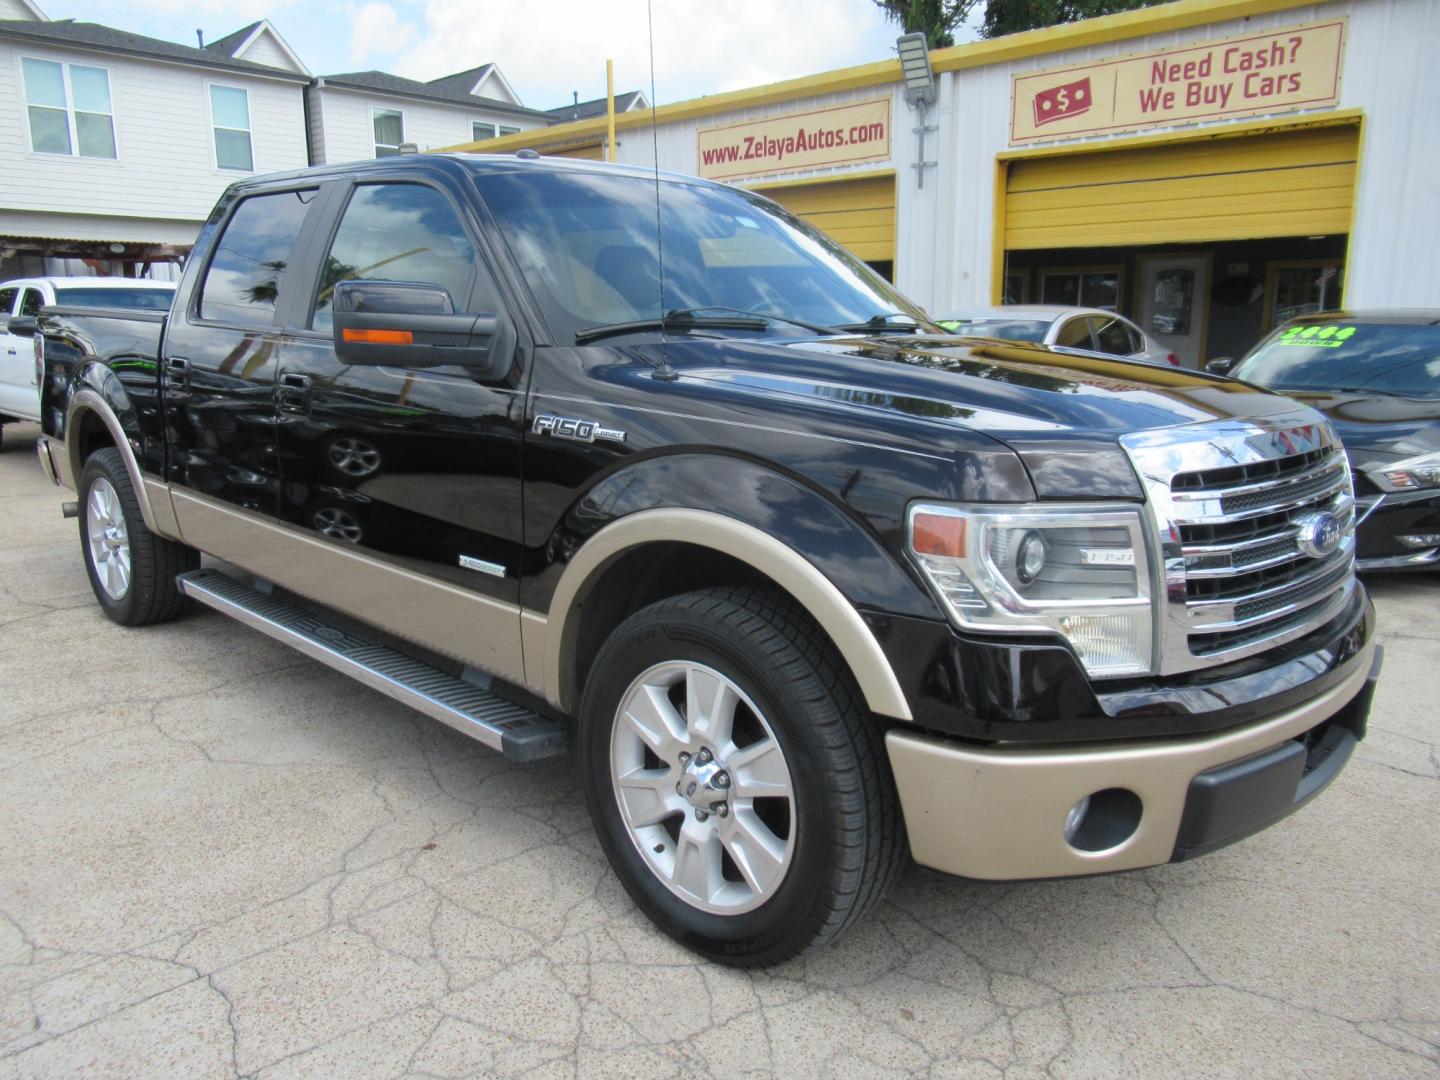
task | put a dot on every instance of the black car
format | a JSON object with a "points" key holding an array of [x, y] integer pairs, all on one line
{"points": [[1377, 377]]}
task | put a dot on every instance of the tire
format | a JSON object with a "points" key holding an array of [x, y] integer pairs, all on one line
{"points": [[705, 845], [132, 571]]}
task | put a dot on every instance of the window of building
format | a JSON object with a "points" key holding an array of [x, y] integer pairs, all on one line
{"points": [[1015, 287], [389, 131], [230, 115], [481, 129], [69, 109], [243, 280], [1081, 288], [1299, 288], [397, 232]]}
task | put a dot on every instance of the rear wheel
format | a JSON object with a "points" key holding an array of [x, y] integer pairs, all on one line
{"points": [[132, 570], [738, 785]]}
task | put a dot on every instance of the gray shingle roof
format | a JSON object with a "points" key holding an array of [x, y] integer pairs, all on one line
{"points": [[586, 109], [461, 81], [93, 36], [439, 90], [230, 42]]}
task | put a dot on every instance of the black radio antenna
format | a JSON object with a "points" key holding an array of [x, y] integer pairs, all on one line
{"points": [[664, 371]]}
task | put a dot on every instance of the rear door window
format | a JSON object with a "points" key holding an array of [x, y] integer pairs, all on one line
{"points": [[32, 302], [1113, 336], [7, 301], [1075, 334], [398, 232], [245, 276]]}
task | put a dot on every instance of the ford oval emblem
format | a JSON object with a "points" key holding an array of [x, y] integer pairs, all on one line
{"points": [[1317, 534]]}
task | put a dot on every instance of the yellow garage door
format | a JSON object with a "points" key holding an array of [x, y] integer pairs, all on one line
{"points": [[1240, 188], [857, 214]]}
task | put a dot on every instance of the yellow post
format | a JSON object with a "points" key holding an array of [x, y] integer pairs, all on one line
{"points": [[610, 108]]}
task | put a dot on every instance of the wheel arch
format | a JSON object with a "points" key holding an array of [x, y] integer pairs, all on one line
{"points": [[756, 555], [91, 423]]}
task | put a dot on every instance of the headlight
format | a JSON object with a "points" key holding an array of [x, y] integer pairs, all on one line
{"points": [[1422, 471], [1077, 571]]}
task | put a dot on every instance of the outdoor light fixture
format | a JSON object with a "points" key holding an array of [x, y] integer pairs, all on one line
{"points": [[914, 52], [920, 92]]}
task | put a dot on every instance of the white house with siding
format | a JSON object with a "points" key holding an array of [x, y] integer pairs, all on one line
{"points": [[366, 114], [114, 146]]}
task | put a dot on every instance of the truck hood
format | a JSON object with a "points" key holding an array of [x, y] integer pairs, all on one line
{"points": [[1062, 414], [1005, 389]]}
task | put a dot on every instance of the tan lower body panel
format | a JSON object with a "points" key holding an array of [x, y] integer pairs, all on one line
{"points": [[463, 625], [999, 814]]}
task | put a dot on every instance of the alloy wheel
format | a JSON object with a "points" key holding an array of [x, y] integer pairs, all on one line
{"points": [[703, 787]]}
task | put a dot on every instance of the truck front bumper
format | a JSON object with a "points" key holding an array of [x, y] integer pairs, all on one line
{"points": [[999, 813]]}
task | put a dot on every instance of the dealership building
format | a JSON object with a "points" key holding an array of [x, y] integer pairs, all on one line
{"points": [[1208, 167]]}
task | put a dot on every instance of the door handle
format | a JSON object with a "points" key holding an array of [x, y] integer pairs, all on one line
{"points": [[177, 370], [294, 393]]}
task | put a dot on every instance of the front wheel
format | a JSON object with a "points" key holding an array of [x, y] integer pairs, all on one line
{"points": [[132, 570], [738, 784]]}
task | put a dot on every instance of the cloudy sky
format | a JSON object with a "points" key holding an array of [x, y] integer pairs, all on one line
{"points": [[546, 49]]}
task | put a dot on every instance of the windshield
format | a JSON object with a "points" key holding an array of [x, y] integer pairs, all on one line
{"points": [[1347, 356], [1007, 329], [586, 244], [140, 299]]}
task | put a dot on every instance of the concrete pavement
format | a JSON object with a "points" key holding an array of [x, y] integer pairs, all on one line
{"points": [[217, 858]]}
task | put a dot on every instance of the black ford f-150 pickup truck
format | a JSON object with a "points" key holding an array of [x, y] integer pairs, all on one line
{"points": [[808, 583]]}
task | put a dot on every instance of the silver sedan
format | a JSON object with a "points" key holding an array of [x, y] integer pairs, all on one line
{"points": [[1091, 331]]}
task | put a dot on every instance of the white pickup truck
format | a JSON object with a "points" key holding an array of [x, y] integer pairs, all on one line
{"points": [[23, 299]]}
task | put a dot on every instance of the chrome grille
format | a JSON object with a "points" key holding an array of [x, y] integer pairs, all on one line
{"points": [[1226, 501]]}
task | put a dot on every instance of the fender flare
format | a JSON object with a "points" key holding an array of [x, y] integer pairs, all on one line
{"points": [[158, 519], [763, 552]]}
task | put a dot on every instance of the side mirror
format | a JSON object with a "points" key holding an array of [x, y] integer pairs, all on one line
{"points": [[412, 324], [24, 326], [1221, 365]]}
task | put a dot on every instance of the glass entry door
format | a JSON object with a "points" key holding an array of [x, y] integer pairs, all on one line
{"points": [[1174, 293]]}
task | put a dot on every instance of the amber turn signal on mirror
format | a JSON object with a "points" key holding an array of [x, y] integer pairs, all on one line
{"points": [[378, 337]]}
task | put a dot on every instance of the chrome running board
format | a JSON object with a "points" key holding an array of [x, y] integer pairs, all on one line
{"points": [[514, 730]]}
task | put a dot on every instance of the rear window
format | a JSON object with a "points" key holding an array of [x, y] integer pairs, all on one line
{"points": [[1348, 357], [138, 299], [1008, 329]]}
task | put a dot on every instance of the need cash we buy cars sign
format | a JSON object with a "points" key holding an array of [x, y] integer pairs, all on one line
{"points": [[1274, 71], [838, 135]]}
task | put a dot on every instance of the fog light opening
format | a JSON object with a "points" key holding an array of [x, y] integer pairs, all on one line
{"points": [[1103, 820]]}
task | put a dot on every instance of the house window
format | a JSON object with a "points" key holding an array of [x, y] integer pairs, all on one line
{"points": [[69, 109], [389, 131], [480, 130], [230, 115], [509, 130]]}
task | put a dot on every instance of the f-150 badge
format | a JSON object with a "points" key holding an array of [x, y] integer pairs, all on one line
{"points": [[568, 427]]}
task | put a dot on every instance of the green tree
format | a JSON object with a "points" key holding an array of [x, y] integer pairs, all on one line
{"points": [[1011, 16], [936, 19]]}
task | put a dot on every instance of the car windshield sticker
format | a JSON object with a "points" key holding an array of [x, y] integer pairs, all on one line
{"points": [[1324, 337]]}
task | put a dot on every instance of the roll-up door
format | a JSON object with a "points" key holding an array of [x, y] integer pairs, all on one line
{"points": [[857, 214], [1246, 187]]}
